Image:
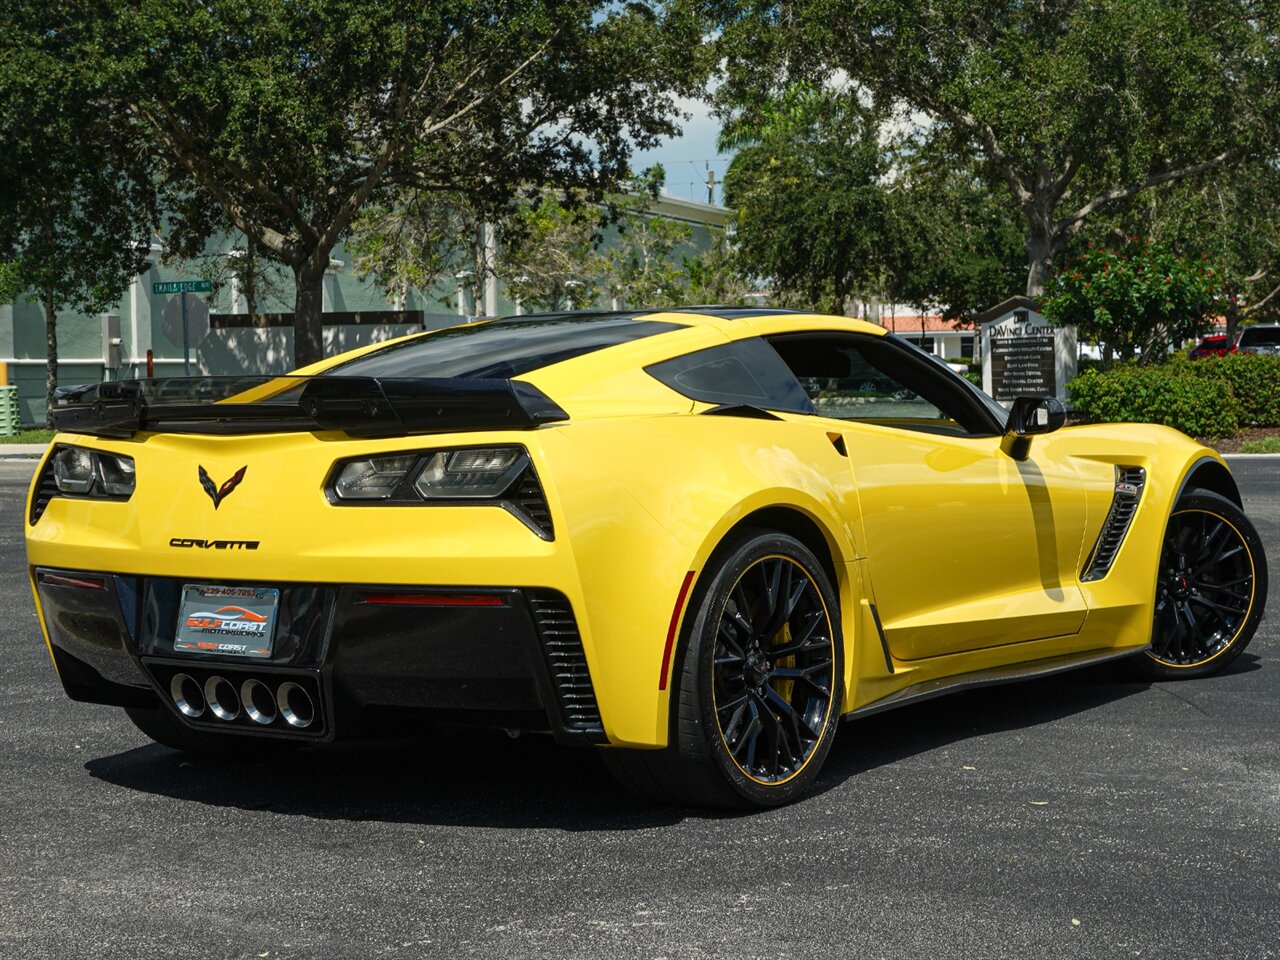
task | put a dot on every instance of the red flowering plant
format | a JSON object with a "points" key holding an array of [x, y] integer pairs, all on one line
{"points": [[1135, 299]]}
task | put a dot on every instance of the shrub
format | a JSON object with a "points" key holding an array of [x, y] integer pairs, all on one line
{"points": [[1255, 382], [1136, 298], [1200, 406]]}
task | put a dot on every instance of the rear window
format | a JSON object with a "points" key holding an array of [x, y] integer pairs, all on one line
{"points": [[500, 348]]}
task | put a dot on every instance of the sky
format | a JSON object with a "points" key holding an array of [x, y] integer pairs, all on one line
{"points": [[686, 158]]}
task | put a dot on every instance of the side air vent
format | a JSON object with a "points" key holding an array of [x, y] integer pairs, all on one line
{"points": [[1124, 504], [567, 663], [46, 490], [532, 502]]}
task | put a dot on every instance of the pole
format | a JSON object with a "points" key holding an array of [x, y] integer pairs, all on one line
{"points": [[186, 338], [490, 269]]}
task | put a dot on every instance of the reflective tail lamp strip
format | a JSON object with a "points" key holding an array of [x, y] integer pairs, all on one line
{"points": [[433, 600], [84, 583], [671, 629]]}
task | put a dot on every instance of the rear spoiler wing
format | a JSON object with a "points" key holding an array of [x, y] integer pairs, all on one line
{"points": [[357, 406]]}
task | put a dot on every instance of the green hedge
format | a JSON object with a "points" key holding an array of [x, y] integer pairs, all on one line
{"points": [[1173, 394], [1255, 383]]}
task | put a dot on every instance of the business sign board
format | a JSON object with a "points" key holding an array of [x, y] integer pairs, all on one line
{"points": [[1024, 355]]}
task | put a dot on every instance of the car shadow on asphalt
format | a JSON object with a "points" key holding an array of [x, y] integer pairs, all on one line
{"points": [[886, 738], [487, 779]]}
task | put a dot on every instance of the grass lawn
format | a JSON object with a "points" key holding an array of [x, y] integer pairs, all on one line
{"points": [[1265, 445], [28, 436]]}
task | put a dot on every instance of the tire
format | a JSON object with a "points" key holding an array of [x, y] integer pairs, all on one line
{"points": [[755, 707], [167, 730], [1211, 589]]}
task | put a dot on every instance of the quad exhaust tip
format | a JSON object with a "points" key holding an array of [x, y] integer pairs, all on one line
{"points": [[254, 699], [259, 704], [222, 698], [187, 695], [295, 705]]}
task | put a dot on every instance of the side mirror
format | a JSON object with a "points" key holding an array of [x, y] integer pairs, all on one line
{"points": [[1028, 417]]}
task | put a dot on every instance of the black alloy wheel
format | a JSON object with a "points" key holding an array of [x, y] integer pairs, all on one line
{"points": [[773, 670], [758, 684], [1211, 588]]}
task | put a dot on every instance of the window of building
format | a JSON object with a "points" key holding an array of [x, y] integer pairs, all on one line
{"points": [[924, 343]]}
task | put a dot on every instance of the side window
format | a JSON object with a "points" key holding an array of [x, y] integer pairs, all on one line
{"points": [[745, 372], [853, 377]]}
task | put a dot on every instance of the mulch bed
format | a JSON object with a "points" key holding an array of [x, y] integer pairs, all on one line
{"points": [[1234, 443]]}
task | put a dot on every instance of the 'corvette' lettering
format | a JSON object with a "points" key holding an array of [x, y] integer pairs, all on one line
{"points": [[187, 542]]}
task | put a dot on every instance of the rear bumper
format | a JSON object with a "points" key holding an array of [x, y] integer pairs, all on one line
{"points": [[375, 659]]}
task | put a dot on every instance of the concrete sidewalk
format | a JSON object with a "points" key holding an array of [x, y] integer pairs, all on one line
{"points": [[22, 451]]}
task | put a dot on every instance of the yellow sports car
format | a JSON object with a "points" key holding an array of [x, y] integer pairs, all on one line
{"points": [[692, 539]]}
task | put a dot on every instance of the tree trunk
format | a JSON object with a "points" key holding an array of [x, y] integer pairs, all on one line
{"points": [[308, 313], [249, 281], [51, 356], [1039, 247], [1232, 312]]}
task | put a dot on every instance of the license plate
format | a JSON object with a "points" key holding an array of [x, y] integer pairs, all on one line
{"points": [[231, 621]]}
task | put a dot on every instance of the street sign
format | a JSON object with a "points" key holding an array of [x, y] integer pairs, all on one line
{"points": [[182, 286]]}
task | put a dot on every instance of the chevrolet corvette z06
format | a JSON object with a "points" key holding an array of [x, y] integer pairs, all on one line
{"points": [[692, 540]]}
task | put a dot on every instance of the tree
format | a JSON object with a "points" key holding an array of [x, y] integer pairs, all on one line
{"points": [[951, 244], [244, 268], [715, 275], [418, 238], [290, 118], [640, 267], [1236, 221], [549, 255], [1072, 107], [807, 187], [76, 212], [1140, 297]]}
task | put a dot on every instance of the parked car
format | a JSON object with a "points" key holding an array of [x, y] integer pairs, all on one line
{"points": [[692, 540], [1263, 338], [1214, 345]]}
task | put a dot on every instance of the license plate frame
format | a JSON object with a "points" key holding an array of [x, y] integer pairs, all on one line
{"points": [[228, 621]]}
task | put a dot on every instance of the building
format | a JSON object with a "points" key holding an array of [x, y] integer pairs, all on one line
{"points": [[224, 338], [933, 334]]}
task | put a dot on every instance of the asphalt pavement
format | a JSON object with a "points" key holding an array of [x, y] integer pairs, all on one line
{"points": [[1084, 815]]}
